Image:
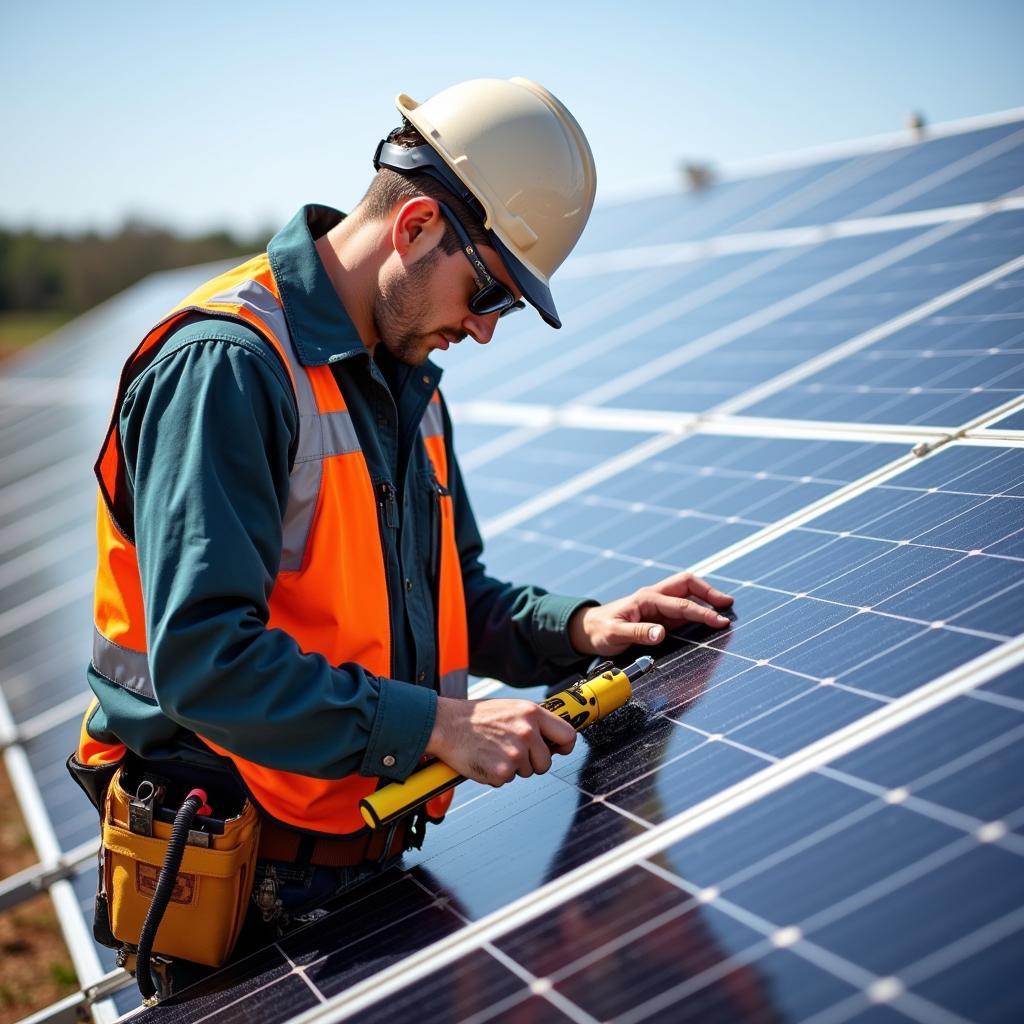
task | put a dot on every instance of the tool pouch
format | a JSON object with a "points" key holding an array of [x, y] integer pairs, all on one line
{"points": [[94, 781], [211, 891]]}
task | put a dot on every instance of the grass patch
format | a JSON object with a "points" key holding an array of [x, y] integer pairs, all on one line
{"points": [[19, 330]]}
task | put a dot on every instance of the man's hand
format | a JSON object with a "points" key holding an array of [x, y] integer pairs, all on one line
{"points": [[643, 617], [493, 741]]}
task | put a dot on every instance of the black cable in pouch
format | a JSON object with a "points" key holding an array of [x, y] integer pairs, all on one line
{"points": [[164, 888]]}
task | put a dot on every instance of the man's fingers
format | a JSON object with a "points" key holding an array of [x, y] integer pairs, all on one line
{"points": [[540, 756], [627, 633], [557, 733], [679, 609], [684, 583], [706, 592]]}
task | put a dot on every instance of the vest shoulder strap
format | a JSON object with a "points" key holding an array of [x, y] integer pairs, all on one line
{"points": [[210, 327]]}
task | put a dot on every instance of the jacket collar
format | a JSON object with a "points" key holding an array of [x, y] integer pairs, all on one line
{"points": [[321, 329]]}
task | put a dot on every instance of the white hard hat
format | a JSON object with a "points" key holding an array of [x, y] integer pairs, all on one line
{"points": [[518, 157]]}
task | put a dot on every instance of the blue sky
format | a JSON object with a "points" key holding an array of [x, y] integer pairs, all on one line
{"points": [[230, 114]]}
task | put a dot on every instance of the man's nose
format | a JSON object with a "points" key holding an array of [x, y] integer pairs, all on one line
{"points": [[480, 328]]}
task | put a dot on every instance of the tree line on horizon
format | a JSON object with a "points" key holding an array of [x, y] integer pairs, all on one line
{"points": [[71, 273]]}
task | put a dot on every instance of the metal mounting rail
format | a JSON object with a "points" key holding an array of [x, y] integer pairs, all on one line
{"points": [[73, 926]]}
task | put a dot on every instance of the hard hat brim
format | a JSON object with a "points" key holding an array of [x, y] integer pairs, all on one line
{"points": [[536, 292]]}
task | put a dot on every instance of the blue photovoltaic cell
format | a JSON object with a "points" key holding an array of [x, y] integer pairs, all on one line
{"points": [[1015, 421], [905, 172], [600, 337], [999, 176], [684, 216], [670, 511], [816, 899], [759, 355], [945, 370], [544, 462]]}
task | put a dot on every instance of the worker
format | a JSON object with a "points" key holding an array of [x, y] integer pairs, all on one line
{"points": [[290, 580]]}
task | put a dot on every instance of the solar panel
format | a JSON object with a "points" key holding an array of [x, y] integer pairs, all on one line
{"points": [[801, 382]]}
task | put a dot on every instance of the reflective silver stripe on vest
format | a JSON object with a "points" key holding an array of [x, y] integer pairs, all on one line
{"points": [[325, 434], [432, 424], [122, 665], [321, 435], [455, 683]]}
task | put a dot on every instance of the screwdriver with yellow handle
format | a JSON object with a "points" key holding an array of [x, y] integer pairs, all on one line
{"points": [[582, 704]]}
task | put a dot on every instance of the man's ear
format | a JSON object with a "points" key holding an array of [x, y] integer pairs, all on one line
{"points": [[417, 228]]}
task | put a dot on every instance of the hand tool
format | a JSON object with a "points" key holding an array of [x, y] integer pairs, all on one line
{"points": [[582, 704]]}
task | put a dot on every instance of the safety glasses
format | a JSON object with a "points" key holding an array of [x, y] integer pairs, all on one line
{"points": [[491, 296]]}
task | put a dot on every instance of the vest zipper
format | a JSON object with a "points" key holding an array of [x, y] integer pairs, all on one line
{"points": [[389, 504]]}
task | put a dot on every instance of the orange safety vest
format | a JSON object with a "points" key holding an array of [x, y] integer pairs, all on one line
{"points": [[331, 520]]}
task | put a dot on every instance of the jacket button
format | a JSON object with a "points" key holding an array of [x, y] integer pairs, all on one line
{"points": [[388, 760], [421, 677], [408, 584]]}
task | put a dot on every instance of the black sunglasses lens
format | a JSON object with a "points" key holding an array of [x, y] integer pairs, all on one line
{"points": [[492, 298], [514, 308]]}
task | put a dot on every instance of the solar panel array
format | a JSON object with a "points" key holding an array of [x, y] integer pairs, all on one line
{"points": [[806, 383]]}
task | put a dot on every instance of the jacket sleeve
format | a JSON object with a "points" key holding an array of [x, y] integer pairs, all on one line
{"points": [[206, 431], [518, 634]]}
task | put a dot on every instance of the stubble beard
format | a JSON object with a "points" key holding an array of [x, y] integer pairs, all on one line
{"points": [[399, 313]]}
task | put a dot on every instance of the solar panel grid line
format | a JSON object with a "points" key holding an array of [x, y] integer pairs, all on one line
{"points": [[500, 446], [611, 467], [58, 514], [981, 423], [60, 596], [851, 737], [30, 455], [666, 254], [71, 708], [943, 174], [37, 485], [534, 420], [831, 184], [770, 314], [968, 824], [978, 941], [47, 554], [815, 509], [867, 338], [645, 322], [535, 985], [1000, 699], [576, 484], [853, 974], [739, 425], [590, 311], [870, 144]]}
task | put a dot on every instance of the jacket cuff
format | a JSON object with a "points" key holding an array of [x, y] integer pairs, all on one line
{"points": [[551, 626], [401, 729]]}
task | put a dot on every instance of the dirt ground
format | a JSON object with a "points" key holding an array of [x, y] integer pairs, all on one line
{"points": [[35, 969]]}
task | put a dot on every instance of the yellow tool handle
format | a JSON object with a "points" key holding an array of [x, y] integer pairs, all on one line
{"points": [[580, 705]]}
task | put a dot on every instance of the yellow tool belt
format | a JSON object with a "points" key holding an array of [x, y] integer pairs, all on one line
{"points": [[211, 891]]}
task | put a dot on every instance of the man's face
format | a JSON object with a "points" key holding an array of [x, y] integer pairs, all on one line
{"points": [[424, 305]]}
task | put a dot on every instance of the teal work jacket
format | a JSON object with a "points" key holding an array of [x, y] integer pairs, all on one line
{"points": [[208, 429]]}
